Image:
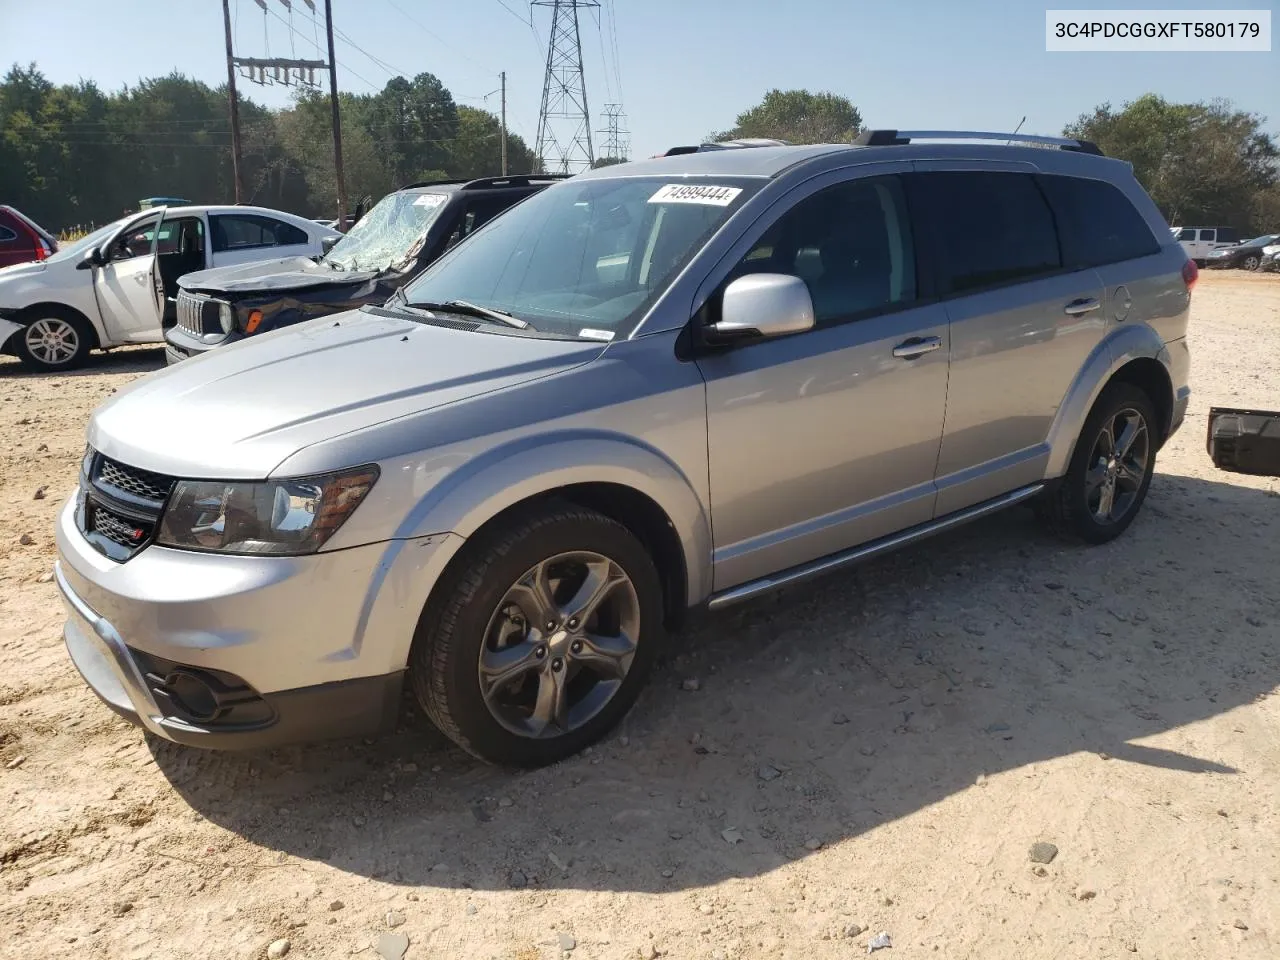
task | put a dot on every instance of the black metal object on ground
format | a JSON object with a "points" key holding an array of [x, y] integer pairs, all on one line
{"points": [[1245, 441]]}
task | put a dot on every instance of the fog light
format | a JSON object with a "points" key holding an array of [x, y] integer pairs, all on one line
{"points": [[192, 695]]}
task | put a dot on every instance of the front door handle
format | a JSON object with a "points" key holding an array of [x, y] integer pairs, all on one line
{"points": [[916, 347], [1077, 307]]}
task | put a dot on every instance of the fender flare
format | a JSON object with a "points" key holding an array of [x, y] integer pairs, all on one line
{"points": [[511, 473], [1123, 346]]}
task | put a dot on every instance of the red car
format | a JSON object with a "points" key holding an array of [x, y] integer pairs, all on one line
{"points": [[22, 239]]}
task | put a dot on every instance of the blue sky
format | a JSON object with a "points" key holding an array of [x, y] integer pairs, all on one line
{"points": [[683, 68]]}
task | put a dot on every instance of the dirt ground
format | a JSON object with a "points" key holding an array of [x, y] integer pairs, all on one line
{"points": [[874, 752]]}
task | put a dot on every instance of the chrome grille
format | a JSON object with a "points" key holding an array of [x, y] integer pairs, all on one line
{"points": [[192, 308], [141, 483]]}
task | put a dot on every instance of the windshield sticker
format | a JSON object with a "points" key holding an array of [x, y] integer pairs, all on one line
{"points": [[429, 200], [708, 195], [586, 333]]}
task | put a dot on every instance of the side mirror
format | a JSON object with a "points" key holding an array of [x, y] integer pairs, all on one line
{"points": [[762, 305], [327, 244], [91, 259]]}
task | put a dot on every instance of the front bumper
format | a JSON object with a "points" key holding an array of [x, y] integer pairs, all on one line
{"points": [[320, 642], [181, 344]]}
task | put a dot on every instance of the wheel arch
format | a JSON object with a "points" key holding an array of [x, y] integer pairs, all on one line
{"points": [[621, 477], [1133, 354], [33, 312]]}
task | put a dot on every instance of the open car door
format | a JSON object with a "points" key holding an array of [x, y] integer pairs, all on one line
{"points": [[124, 281]]}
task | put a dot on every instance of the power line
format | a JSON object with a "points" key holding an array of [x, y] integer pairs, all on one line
{"points": [[435, 36], [527, 23], [613, 30]]}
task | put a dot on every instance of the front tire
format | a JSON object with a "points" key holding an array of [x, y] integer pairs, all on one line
{"points": [[540, 638], [1110, 470], [54, 340], [1251, 262]]}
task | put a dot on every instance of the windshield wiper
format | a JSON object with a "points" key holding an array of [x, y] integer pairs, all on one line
{"points": [[474, 310]]}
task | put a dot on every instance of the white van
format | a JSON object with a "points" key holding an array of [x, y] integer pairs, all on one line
{"points": [[118, 284], [1199, 242]]}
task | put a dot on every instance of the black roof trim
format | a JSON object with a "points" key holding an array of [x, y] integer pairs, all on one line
{"points": [[489, 183]]}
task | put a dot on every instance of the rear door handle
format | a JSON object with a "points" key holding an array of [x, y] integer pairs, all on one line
{"points": [[1076, 307], [916, 347]]}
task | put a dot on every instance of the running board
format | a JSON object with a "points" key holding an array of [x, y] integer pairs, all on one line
{"points": [[868, 550]]}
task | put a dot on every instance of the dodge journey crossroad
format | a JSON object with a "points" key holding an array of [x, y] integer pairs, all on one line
{"points": [[653, 387]]}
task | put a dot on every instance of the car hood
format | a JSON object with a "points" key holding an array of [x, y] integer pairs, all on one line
{"points": [[241, 410], [271, 276]]}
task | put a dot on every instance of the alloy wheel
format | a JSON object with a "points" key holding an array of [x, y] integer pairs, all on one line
{"points": [[52, 340], [1118, 466], [559, 644], [1251, 263]]}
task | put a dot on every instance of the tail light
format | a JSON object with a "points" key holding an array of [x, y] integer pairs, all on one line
{"points": [[1190, 274], [38, 244]]}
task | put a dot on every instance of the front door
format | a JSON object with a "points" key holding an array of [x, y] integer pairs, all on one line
{"points": [[828, 438], [124, 285]]}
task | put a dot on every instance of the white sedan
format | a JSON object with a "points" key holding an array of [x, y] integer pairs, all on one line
{"points": [[117, 285]]}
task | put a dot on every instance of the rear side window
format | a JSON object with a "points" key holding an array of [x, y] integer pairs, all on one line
{"points": [[989, 229], [1097, 222], [7, 235], [1209, 235], [245, 231]]}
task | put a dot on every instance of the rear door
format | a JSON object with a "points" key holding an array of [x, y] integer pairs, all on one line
{"points": [[125, 285], [1021, 323]]}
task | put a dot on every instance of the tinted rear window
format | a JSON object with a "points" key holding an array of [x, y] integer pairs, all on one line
{"points": [[1097, 223], [990, 229]]}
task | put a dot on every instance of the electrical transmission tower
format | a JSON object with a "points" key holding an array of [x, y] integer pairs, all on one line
{"points": [[617, 145], [564, 122]]}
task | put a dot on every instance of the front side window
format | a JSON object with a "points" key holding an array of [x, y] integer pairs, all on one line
{"points": [[134, 242], [851, 244], [1097, 223], [389, 234], [1187, 235], [585, 258], [991, 229]]}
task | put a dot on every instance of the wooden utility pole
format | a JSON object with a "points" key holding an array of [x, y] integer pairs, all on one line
{"points": [[337, 121], [504, 122], [235, 107]]}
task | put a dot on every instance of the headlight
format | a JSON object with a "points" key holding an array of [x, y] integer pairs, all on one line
{"points": [[275, 517], [226, 318]]}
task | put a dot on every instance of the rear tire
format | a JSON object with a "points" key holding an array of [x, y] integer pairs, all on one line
{"points": [[54, 339], [1110, 470], [517, 692], [1251, 262]]}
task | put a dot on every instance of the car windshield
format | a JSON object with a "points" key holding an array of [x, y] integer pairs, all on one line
{"points": [[84, 243], [585, 258], [1264, 240], [388, 234]]}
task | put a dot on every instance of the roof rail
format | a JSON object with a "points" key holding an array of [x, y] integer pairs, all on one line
{"points": [[726, 145], [514, 180], [481, 183], [881, 138], [430, 183]]}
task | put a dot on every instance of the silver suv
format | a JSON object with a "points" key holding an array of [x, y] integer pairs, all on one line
{"points": [[670, 384]]}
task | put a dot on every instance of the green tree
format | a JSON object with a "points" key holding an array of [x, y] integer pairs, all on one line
{"points": [[798, 116], [1201, 162], [477, 147]]}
